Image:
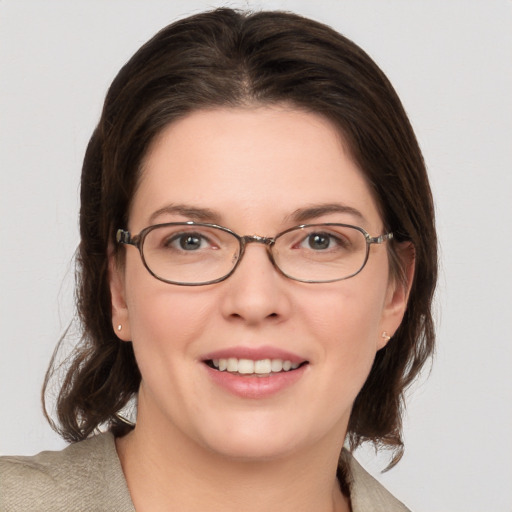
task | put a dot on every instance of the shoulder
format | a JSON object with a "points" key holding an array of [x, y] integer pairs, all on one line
{"points": [[366, 493], [84, 476]]}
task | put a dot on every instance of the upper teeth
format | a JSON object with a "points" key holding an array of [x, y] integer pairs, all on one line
{"points": [[248, 366]]}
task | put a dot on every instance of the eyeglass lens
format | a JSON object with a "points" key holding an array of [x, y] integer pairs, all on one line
{"points": [[193, 254]]}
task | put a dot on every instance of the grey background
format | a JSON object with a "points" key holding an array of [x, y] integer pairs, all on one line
{"points": [[450, 62]]}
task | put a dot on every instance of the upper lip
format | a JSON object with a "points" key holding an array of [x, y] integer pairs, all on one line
{"points": [[254, 353]]}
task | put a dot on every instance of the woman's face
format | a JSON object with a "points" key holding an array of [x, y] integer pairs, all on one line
{"points": [[255, 171]]}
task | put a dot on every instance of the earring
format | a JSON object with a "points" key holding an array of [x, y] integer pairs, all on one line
{"points": [[385, 336], [119, 327]]}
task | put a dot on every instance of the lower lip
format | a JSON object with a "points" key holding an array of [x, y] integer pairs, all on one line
{"points": [[250, 386]]}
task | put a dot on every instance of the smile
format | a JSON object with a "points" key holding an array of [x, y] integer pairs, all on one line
{"points": [[259, 368]]}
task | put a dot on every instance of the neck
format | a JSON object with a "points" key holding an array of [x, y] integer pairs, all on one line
{"points": [[166, 470]]}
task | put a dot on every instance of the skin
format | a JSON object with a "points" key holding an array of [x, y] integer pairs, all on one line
{"points": [[254, 167]]}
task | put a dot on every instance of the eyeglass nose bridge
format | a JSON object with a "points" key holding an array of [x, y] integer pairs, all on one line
{"points": [[268, 242]]}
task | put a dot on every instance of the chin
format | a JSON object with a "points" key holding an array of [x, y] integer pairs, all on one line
{"points": [[259, 438], [253, 448]]}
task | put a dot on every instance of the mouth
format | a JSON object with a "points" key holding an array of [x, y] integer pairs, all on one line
{"points": [[254, 368]]}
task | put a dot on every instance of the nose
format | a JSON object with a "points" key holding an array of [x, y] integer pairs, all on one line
{"points": [[256, 292]]}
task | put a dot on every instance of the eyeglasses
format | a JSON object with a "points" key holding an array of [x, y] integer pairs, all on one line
{"points": [[194, 254]]}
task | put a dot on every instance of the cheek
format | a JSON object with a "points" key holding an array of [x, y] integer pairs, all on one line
{"points": [[345, 321], [348, 313], [167, 324], [164, 318]]}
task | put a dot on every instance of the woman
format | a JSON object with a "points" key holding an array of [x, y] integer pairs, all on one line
{"points": [[256, 269]]}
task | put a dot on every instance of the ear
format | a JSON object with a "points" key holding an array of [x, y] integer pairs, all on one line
{"points": [[397, 294], [120, 317]]}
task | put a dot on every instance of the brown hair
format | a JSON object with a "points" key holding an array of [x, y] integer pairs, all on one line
{"points": [[229, 58]]}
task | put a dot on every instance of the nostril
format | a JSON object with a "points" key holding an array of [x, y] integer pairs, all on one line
{"points": [[238, 316]]}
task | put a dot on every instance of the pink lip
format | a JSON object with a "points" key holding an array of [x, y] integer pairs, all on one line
{"points": [[250, 386], [253, 387], [254, 353]]}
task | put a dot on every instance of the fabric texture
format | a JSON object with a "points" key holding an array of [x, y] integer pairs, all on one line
{"points": [[87, 477]]}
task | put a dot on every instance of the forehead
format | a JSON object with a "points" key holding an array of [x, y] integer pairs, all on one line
{"points": [[251, 163]]}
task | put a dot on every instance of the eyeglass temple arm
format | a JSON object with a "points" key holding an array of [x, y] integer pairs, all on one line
{"points": [[123, 237], [380, 239]]}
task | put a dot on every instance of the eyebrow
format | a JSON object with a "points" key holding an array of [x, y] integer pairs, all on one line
{"points": [[314, 211], [191, 212], [299, 216]]}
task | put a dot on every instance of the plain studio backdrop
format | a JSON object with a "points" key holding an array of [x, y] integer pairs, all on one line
{"points": [[451, 63]]}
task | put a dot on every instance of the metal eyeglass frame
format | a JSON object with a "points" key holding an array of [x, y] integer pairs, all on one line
{"points": [[125, 237]]}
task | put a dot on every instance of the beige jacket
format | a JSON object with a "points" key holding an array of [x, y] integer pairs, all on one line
{"points": [[87, 477]]}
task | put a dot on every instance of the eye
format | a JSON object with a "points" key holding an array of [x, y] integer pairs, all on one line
{"points": [[322, 241], [319, 241], [187, 242], [190, 242]]}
